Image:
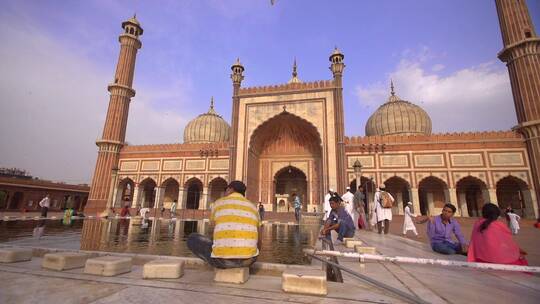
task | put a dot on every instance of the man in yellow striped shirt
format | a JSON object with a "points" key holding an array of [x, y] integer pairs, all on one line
{"points": [[236, 224]]}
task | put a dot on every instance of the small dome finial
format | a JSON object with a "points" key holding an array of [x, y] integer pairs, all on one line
{"points": [[294, 67], [294, 78], [212, 102], [392, 88]]}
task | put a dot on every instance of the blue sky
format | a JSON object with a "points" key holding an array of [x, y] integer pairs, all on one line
{"points": [[58, 57]]}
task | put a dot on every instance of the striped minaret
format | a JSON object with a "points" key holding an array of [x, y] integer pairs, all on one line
{"points": [[114, 131], [521, 53]]}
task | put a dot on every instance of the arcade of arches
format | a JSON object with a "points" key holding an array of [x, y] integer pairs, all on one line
{"points": [[469, 195], [192, 195]]}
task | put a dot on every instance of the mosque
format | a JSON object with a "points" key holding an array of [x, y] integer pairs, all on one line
{"points": [[289, 138]]}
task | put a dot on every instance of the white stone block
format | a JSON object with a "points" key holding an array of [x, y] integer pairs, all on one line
{"points": [[163, 269], [362, 249], [108, 266], [12, 255], [352, 243], [304, 281], [232, 275], [64, 260]]}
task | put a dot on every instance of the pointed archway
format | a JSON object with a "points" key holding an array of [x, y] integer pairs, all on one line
{"points": [[284, 140], [289, 181]]}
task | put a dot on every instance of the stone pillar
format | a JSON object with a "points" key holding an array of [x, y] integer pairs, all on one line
{"points": [[485, 197], [160, 195], [112, 188], [136, 196], [415, 198], [203, 200], [117, 197], [399, 200], [492, 194], [453, 200], [462, 202], [180, 200], [531, 206], [431, 205]]}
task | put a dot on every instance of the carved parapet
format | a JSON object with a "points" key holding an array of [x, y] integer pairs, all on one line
{"points": [[296, 86], [440, 137], [176, 147]]}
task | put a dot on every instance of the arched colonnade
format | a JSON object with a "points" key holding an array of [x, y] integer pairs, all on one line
{"points": [[192, 194]]}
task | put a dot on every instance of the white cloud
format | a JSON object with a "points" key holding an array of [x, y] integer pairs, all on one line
{"points": [[477, 98], [53, 103]]}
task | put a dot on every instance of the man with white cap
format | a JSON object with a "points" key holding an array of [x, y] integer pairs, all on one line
{"points": [[382, 209], [347, 198], [327, 207], [408, 223]]}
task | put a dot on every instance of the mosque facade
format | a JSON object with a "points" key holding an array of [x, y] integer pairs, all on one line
{"points": [[289, 138]]}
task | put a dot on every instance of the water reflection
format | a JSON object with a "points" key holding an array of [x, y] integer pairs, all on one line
{"points": [[280, 243]]}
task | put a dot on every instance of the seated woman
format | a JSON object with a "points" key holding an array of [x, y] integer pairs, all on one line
{"points": [[491, 240]]}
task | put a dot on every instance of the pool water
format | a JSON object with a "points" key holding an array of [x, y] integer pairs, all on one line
{"points": [[281, 243]]}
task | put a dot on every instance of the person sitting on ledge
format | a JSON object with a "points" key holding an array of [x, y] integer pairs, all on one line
{"points": [[338, 220], [236, 224], [491, 240], [440, 229]]}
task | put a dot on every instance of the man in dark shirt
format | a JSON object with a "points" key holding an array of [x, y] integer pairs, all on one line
{"points": [[338, 220]]}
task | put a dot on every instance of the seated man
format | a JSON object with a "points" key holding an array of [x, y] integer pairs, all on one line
{"points": [[338, 220], [236, 231], [440, 229]]}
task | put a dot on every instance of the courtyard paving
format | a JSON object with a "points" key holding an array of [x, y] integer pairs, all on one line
{"points": [[26, 282]]}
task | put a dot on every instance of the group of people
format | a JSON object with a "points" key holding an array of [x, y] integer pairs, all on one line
{"points": [[491, 240], [380, 212]]}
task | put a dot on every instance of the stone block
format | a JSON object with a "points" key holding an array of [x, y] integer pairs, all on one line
{"points": [[12, 255], [352, 243], [163, 269], [362, 249], [64, 260], [135, 220], [232, 275], [108, 266], [304, 281]]}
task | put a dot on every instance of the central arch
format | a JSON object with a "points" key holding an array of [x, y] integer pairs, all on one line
{"points": [[289, 141]]}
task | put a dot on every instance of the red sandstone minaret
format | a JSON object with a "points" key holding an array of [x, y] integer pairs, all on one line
{"points": [[114, 131], [237, 76], [521, 53], [337, 67]]}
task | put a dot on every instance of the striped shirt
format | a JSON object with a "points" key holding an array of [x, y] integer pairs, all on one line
{"points": [[236, 227]]}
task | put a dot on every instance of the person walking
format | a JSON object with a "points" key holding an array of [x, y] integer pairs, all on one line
{"points": [[359, 215], [382, 209], [348, 198], [513, 221], [297, 206], [261, 210], [45, 204], [408, 223]]}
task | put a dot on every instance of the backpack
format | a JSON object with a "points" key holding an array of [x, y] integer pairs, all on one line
{"points": [[386, 200]]}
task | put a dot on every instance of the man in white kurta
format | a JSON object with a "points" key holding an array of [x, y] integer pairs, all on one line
{"points": [[382, 216], [327, 207], [408, 223], [348, 201]]}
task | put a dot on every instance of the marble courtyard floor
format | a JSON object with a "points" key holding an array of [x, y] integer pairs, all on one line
{"points": [[26, 282]]}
